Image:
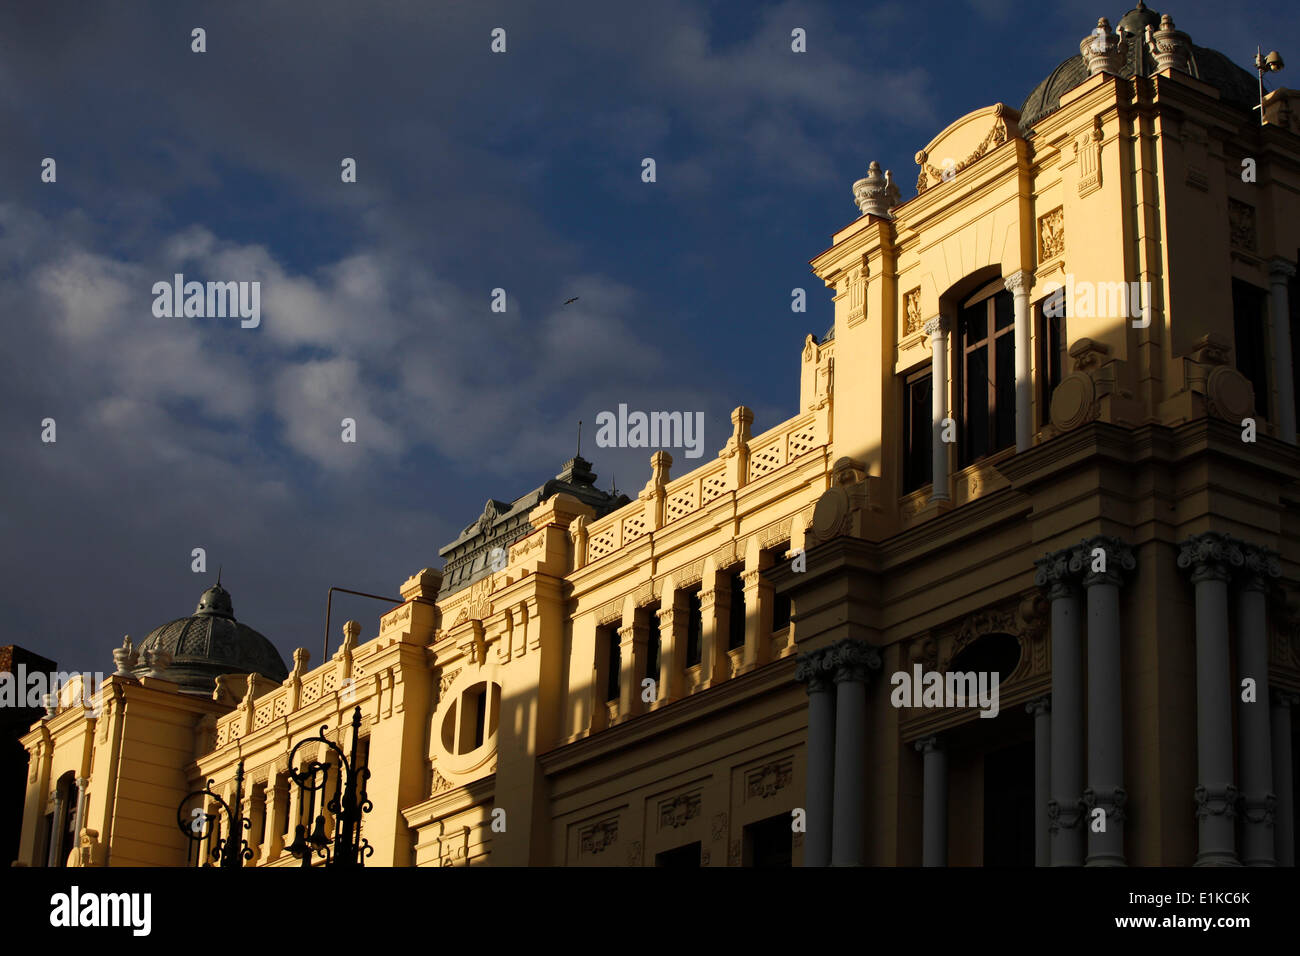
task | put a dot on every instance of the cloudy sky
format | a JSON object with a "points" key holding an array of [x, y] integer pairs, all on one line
{"points": [[475, 171]]}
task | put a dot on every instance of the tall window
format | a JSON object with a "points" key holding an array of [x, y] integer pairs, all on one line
{"points": [[1249, 327], [694, 630], [1052, 350], [614, 663], [918, 468], [986, 337], [652, 645], [736, 624]]}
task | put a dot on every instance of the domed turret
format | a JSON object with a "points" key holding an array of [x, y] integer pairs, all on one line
{"points": [[209, 643]]}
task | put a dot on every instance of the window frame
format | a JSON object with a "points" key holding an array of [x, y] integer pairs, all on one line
{"points": [[988, 297]]}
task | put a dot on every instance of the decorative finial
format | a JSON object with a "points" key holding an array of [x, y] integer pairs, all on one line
{"points": [[579, 455], [218, 575]]}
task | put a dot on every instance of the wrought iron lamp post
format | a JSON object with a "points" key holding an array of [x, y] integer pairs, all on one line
{"points": [[349, 848], [232, 849]]}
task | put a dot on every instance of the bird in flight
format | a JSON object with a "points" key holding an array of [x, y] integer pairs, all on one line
{"points": [[574, 299]]}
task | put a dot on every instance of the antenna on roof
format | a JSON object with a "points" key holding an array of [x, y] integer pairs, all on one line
{"points": [[579, 438]]}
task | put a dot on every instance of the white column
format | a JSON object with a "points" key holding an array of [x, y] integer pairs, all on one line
{"points": [[1210, 558], [79, 818], [1105, 699], [1254, 741], [1042, 712], [934, 802], [1058, 573], [1019, 284], [937, 329], [1284, 824], [851, 661], [811, 669], [1280, 273]]}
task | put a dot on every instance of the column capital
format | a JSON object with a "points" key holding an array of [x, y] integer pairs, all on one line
{"points": [[811, 668], [851, 659], [1042, 705], [1210, 556], [929, 745], [1056, 575], [937, 327], [1116, 557], [1020, 282], [1258, 565], [1281, 269]]}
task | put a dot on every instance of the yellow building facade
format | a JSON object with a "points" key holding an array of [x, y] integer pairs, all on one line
{"points": [[1051, 437]]}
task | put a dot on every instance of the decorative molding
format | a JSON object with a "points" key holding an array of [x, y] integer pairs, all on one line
{"points": [[677, 811], [769, 779], [912, 309], [996, 136], [1087, 152], [1241, 226], [1051, 235], [595, 838], [719, 829]]}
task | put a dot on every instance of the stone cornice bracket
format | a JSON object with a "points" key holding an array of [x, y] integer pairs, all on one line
{"points": [[1055, 574], [1210, 556], [1019, 282], [1102, 49], [1116, 559], [852, 660], [876, 194], [1170, 48]]}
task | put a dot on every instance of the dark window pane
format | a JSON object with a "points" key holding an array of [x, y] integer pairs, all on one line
{"points": [[780, 611], [1005, 424], [1004, 310], [916, 433], [769, 842], [1251, 348], [694, 628], [686, 856], [736, 629], [615, 658], [974, 323], [652, 645], [976, 378]]}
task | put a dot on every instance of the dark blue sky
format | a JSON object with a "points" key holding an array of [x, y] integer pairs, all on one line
{"points": [[476, 170]]}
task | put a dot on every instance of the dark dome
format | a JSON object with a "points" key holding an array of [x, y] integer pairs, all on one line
{"points": [[210, 643], [1234, 84]]}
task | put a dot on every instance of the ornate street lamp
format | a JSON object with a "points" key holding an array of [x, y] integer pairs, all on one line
{"points": [[349, 802], [231, 849]]}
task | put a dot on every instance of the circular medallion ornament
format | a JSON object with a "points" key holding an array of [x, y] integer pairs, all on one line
{"points": [[1072, 401], [1230, 393], [830, 513]]}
